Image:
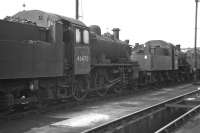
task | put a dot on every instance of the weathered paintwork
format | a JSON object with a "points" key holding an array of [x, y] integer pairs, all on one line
{"points": [[30, 60], [153, 63], [25, 52], [156, 55], [19, 32], [81, 60], [107, 50]]}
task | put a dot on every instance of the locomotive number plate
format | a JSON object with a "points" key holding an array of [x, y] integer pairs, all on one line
{"points": [[82, 60]]}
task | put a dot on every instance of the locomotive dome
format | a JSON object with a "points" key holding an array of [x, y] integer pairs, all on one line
{"points": [[44, 19], [158, 43], [96, 29]]}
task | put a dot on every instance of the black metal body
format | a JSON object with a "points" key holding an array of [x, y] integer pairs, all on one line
{"points": [[38, 50], [26, 53], [156, 55], [161, 61], [108, 50]]}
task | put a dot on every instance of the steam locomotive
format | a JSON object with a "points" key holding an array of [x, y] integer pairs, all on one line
{"points": [[46, 57], [161, 62]]}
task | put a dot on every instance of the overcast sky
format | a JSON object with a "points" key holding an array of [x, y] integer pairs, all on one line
{"points": [[139, 20]]}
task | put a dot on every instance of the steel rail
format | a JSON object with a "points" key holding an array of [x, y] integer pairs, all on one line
{"points": [[122, 120], [167, 127]]}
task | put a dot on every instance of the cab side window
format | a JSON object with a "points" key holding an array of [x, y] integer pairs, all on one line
{"points": [[78, 36], [85, 37], [82, 36]]}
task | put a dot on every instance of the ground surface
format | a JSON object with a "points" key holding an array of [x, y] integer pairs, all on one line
{"points": [[83, 117]]}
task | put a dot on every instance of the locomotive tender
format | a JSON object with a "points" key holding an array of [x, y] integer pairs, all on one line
{"points": [[45, 56]]}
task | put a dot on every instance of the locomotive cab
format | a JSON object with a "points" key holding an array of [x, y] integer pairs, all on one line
{"points": [[77, 51], [81, 51]]}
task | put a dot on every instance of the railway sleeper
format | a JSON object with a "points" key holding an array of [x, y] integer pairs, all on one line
{"points": [[161, 118]]}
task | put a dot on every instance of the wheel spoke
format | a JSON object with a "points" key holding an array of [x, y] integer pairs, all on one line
{"points": [[79, 88]]}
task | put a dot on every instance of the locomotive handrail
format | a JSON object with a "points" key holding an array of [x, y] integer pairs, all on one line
{"points": [[112, 64]]}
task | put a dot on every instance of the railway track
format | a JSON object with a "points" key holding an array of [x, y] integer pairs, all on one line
{"points": [[160, 118], [67, 118]]}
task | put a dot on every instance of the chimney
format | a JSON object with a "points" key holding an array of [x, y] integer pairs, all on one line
{"points": [[137, 44], [127, 41], [178, 47], [116, 33]]}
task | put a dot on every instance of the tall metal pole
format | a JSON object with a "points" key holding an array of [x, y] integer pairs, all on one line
{"points": [[77, 9], [195, 42]]}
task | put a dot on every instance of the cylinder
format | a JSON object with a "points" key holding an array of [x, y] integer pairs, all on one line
{"points": [[96, 29]]}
